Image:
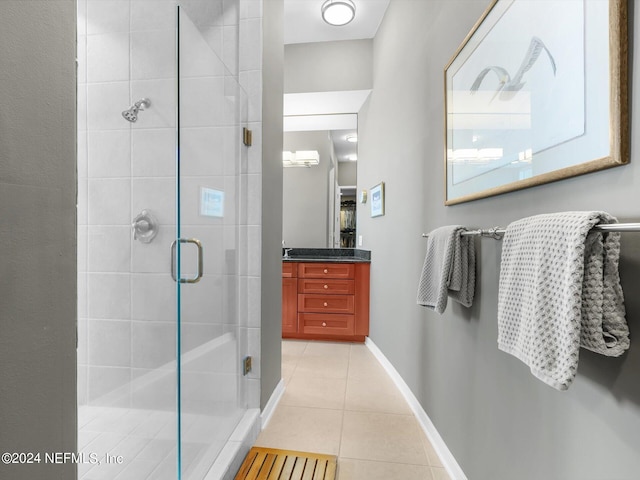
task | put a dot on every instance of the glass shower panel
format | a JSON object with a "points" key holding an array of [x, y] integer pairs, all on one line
{"points": [[127, 405], [159, 360], [211, 111]]}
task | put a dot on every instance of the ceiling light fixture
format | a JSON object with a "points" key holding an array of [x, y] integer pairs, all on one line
{"points": [[338, 12], [300, 158], [352, 138]]}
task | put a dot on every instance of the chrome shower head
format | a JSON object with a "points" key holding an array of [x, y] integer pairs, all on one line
{"points": [[131, 114]]}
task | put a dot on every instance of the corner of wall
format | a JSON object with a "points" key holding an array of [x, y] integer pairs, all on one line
{"points": [[271, 288]]}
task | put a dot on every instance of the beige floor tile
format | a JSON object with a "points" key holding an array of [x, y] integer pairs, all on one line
{"points": [[351, 469], [291, 360], [360, 349], [382, 437], [287, 372], [432, 456], [380, 396], [305, 429], [291, 354], [309, 391], [323, 366], [339, 400], [440, 474], [328, 349], [293, 347], [364, 364]]}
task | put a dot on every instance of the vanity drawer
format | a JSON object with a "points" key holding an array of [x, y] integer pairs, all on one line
{"points": [[310, 302], [289, 269], [329, 286], [326, 270], [320, 324]]}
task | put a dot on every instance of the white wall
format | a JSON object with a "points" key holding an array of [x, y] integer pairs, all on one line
{"points": [[328, 66], [347, 173], [498, 420]]}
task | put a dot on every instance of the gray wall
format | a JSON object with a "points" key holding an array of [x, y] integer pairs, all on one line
{"points": [[328, 66], [271, 308], [37, 234], [347, 173], [499, 421], [306, 193]]}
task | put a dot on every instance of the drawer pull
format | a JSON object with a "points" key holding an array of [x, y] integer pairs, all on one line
{"points": [[326, 286], [326, 270], [326, 304], [324, 324]]}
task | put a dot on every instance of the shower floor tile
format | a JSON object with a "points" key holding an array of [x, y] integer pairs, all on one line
{"points": [[146, 442]]}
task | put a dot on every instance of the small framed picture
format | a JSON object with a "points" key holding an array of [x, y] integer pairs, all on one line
{"points": [[377, 200]]}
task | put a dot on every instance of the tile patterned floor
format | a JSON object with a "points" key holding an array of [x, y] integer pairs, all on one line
{"points": [[340, 401], [146, 441]]}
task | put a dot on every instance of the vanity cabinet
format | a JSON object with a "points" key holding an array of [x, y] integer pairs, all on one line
{"points": [[332, 300], [289, 299]]}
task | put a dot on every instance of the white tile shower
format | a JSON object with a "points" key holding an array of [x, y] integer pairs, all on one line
{"points": [[126, 307]]}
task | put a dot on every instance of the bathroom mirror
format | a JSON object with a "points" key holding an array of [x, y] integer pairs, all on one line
{"points": [[319, 200]]}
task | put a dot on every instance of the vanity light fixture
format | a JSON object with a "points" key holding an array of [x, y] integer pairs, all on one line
{"points": [[353, 138], [338, 12], [300, 158], [352, 157]]}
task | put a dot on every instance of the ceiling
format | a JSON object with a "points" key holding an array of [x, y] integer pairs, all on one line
{"points": [[323, 110], [303, 22], [333, 111]]}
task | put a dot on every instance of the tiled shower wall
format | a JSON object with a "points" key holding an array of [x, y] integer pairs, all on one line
{"points": [[126, 51]]}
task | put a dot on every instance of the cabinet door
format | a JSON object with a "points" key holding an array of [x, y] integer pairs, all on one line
{"points": [[289, 269], [289, 305]]}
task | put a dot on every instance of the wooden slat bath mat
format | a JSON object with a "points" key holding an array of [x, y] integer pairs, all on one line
{"points": [[272, 464]]}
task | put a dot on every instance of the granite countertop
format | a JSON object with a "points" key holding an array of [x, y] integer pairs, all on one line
{"points": [[341, 255]]}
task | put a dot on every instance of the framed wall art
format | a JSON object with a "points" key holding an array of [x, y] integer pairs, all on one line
{"points": [[537, 92], [377, 200]]}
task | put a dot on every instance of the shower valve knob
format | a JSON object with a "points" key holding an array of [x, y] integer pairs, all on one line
{"points": [[144, 227]]}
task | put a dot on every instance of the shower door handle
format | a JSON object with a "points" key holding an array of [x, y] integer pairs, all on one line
{"points": [[198, 245]]}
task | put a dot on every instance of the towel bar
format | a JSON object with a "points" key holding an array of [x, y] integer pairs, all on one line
{"points": [[498, 232]]}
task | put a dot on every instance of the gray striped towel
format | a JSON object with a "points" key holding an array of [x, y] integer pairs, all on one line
{"points": [[449, 269], [559, 290]]}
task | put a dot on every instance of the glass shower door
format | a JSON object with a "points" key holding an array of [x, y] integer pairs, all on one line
{"points": [[160, 387], [205, 258]]}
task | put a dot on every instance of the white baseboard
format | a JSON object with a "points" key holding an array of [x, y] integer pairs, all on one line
{"points": [[447, 458], [271, 405]]}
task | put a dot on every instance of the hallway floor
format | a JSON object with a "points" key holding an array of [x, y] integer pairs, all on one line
{"points": [[340, 401]]}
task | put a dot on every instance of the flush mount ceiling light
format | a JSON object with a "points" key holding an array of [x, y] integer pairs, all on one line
{"points": [[352, 138], [338, 12], [300, 158]]}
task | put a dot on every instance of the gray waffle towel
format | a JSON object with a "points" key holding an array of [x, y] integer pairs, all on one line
{"points": [[449, 269], [559, 290]]}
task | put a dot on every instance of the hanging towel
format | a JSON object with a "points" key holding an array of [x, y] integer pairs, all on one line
{"points": [[449, 269], [559, 290]]}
